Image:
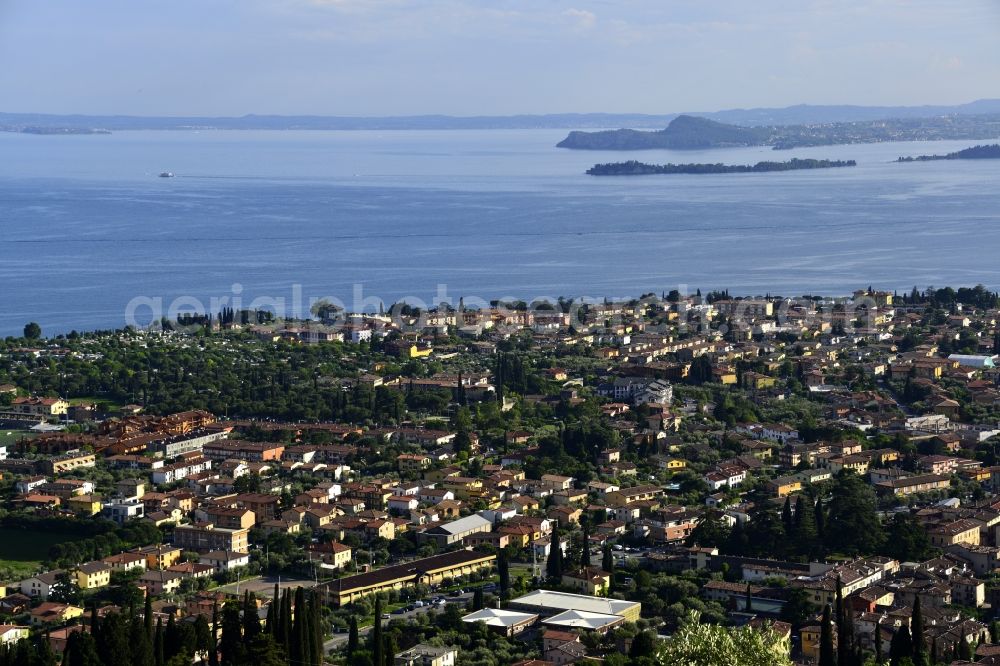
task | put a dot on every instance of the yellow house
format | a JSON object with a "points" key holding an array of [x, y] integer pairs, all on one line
{"points": [[758, 381], [785, 486], [12, 633], [91, 575], [412, 462], [161, 557], [51, 612], [955, 532], [726, 377], [674, 464], [419, 352], [84, 505], [593, 581], [340, 556], [463, 487], [810, 636]]}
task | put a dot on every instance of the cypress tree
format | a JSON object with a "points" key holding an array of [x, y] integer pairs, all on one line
{"points": [[213, 652], [147, 615], [171, 640], [269, 620], [585, 555], [315, 612], [390, 649], [251, 620], [805, 528], [901, 646], [749, 602], [285, 635], [158, 652], [377, 648], [964, 649], [352, 638], [274, 612], [231, 643], [477, 599], [608, 559], [554, 563], [917, 634], [826, 656], [503, 569], [95, 622], [786, 515], [820, 519], [299, 650]]}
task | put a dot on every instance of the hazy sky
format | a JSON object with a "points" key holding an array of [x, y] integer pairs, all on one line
{"points": [[396, 57]]}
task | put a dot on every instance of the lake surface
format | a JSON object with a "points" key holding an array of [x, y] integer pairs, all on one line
{"points": [[86, 226]]}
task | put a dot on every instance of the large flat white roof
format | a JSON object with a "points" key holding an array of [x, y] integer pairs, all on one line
{"points": [[564, 601], [497, 617], [577, 619]]}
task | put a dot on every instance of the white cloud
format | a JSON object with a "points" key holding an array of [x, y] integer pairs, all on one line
{"points": [[581, 18]]}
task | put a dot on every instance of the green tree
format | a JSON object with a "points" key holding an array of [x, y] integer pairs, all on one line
{"points": [[907, 540], [231, 642], [804, 531], [81, 650], [798, 607], [901, 646], [711, 530], [263, 651], [643, 645], [32, 331], [697, 643], [853, 525]]}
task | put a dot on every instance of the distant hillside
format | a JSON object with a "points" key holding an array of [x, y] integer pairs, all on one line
{"points": [[683, 132], [792, 115], [808, 114]]}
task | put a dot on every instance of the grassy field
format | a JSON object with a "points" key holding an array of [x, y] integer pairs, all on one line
{"points": [[22, 552], [9, 437]]}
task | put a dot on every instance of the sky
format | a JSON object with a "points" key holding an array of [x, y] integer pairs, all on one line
{"points": [[491, 57]]}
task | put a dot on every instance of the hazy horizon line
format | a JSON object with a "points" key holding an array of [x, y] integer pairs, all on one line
{"points": [[252, 114]]}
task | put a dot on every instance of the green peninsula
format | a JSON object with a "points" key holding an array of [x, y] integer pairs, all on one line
{"points": [[690, 132], [635, 168], [974, 153]]}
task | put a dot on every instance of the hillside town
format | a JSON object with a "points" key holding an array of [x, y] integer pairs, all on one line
{"points": [[535, 484]]}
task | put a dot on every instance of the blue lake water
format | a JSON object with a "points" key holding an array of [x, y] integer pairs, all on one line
{"points": [[86, 226]]}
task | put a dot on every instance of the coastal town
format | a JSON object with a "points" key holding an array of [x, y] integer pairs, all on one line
{"points": [[545, 483]]}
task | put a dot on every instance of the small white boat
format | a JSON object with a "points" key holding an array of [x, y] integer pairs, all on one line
{"points": [[167, 174]]}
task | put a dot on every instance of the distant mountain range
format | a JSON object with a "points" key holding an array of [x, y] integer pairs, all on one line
{"points": [[802, 114]]}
